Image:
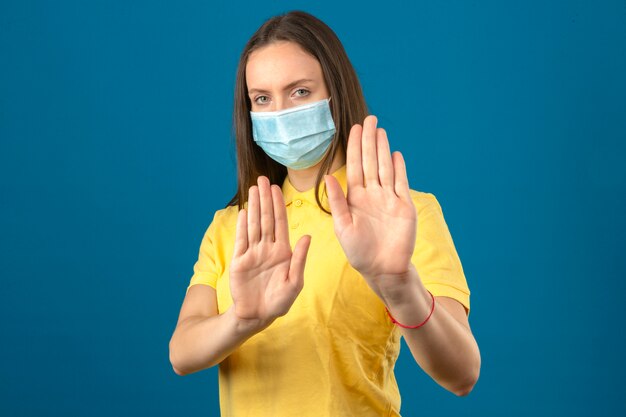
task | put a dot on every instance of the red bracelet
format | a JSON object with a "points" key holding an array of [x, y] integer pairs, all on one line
{"points": [[422, 323]]}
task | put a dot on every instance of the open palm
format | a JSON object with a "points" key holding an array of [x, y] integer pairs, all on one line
{"points": [[265, 276], [376, 224]]}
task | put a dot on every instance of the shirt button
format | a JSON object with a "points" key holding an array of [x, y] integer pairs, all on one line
{"points": [[298, 203]]}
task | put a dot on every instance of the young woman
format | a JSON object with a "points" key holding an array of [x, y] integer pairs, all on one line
{"points": [[302, 309]]}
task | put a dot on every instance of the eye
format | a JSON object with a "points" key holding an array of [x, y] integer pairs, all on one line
{"points": [[261, 99], [301, 92]]}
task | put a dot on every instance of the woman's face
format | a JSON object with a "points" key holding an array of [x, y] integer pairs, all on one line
{"points": [[282, 75]]}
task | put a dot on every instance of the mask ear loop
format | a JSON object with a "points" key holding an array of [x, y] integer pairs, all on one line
{"points": [[325, 192]]}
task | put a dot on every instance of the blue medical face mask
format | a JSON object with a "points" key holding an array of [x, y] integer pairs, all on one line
{"points": [[297, 137]]}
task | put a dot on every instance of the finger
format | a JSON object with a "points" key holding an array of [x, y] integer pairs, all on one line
{"points": [[401, 182], [354, 165], [338, 205], [254, 227], [385, 166], [281, 231], [241, 234], [298, 262], [370, 162], [267, 212]]}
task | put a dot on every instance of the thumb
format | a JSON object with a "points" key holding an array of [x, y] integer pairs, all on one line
{"points": [[298, 261], [338, 204]]}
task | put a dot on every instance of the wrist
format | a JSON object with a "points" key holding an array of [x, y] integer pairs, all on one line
{"points": [[397, 290], [245, 327], [414, 326], [408, 303]]}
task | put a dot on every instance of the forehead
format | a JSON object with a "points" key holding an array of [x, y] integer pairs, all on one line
{"points": [[279, 63]]}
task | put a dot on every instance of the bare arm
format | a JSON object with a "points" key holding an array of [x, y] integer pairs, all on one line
{"points": [[444, 347], [376, 224], [203, 338], [265, 278]]}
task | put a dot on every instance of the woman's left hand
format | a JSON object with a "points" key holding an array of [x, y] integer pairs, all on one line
{"points": [[376, 224]]}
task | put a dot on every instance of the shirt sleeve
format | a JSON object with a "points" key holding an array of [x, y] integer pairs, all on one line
{"points": [[205, 268], [435, 256]]}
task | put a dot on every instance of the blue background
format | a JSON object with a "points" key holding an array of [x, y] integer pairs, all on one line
{"points": [[116, 150]]}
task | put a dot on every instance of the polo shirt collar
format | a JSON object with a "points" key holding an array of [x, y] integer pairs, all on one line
{"points": [[290, 193]]}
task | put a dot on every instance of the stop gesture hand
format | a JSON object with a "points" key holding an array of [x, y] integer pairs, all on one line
{"points": [[265, 276], [376, 223]]}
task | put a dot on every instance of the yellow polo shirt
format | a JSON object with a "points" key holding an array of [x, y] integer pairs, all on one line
{"points": [[333, 353]]}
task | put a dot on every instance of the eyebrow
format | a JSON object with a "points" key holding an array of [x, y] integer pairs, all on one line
{"points": [[287, 87]]}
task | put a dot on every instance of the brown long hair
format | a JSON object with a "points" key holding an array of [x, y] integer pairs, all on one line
{"points": [[348, 104]]}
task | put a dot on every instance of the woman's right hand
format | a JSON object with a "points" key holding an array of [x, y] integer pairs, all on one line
{"points": [[265, 276]]}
